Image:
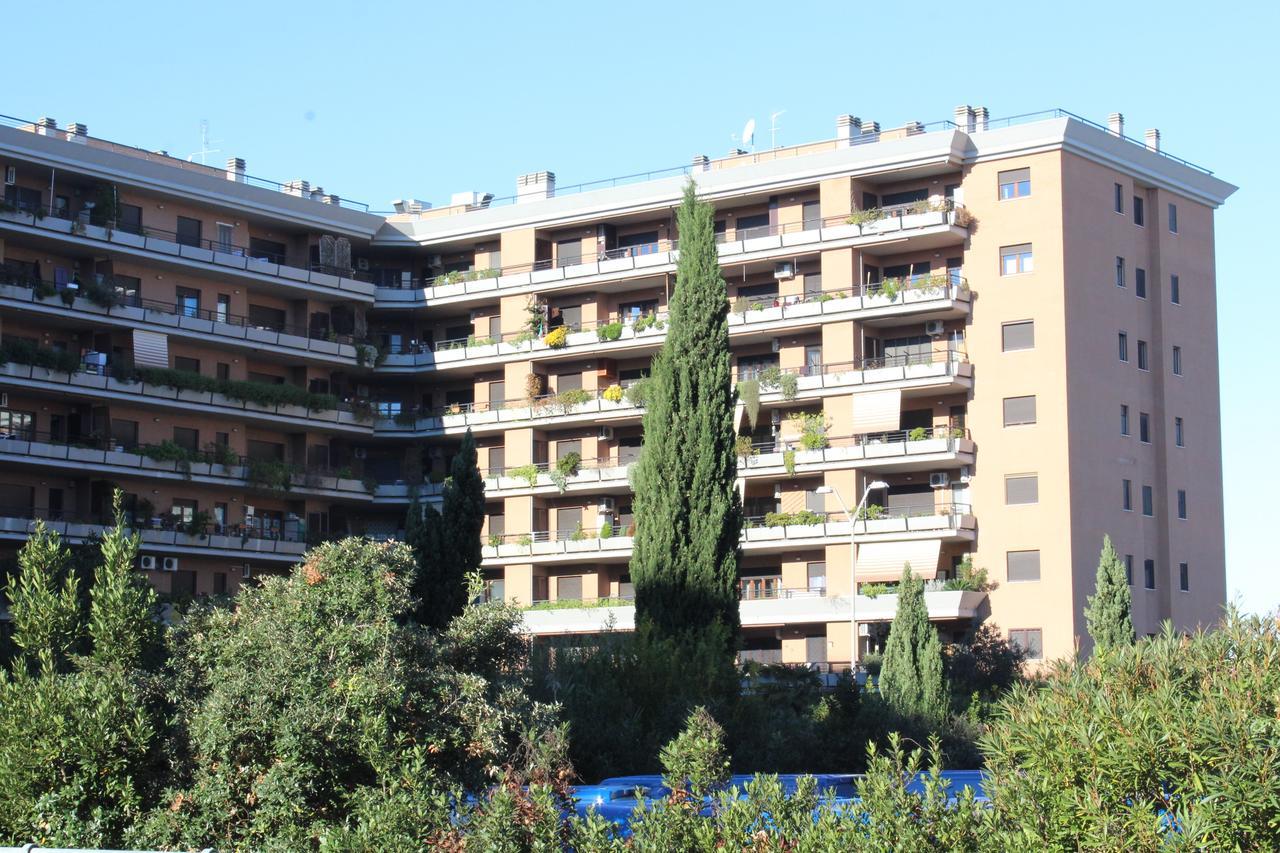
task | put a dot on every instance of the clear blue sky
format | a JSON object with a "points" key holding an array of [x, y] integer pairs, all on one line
{"points": [[382, 100]]}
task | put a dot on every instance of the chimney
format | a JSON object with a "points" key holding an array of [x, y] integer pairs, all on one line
{"points": [[46, 126], [535, 186], [1115, 124], [77, 132], [298, 188], [1153, 139], [964, 118], [848, 128], [235, 169], [981, 118], [701, 163], [412, 205], [913, 128], [870, 131], [316, 194]]}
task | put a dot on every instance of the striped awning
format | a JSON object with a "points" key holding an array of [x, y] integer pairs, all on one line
{"points": [[876, 411], [150, 349], [882, 562]]}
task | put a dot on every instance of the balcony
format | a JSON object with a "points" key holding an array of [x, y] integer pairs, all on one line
{"points": [[102, 303], [162, 532], [772, 533], [211, 257], [941, 371], [916, 226]]}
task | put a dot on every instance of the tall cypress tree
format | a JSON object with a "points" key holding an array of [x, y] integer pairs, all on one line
{"points": [[1109, 611], [687, 508], [911, 678]]}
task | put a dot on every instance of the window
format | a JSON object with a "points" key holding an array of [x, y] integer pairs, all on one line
{"points": [[1120, 279], [1019, 410], [1126, 491], [1177, 432], [569, 588], [225, 232], [1119, 201], [1173, 218], [1144, 427], [1175, 291], [568, 253], [186, 438], [188, 302], [1022, 566], [1139, 213], [224, 371], [1182, 504], [1149, 574], [1124, 419], [190, 365], [1148, 502], [1018, 335], [188, 233], [1021, 489], [1140, 283], [817, 573], [1184, 577], [1177, 361], [1015, 183], [1123, 343], [1015, 260], [22, 425], [1128, 569], [1029, 641], [1143, 364]]}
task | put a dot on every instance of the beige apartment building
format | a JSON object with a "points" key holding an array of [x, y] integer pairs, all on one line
{"points": [[995, 337]]}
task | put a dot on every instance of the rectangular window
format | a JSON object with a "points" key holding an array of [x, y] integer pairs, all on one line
{"points": [[1029, 640], [1139, 212], [1022, 566], [1144, 427], [190, 365], [1182, 504], [1148, 502], [1123, 344], [1143, 364], [188, 301], [1128, 569], [1126, 491], [817, 573], [1015, 183], [1175, 291], [1021, 489], [188, 231], [1177, 432], [1019, 410], [1140, 283], [1184, 577], [569, 588], [1119, 200], [1149, 574], [1124, 419], [1018, 335], [568, 253], [1177, 361], [1120, 277], [186, 438], [1173, 218], [1015, 260]]}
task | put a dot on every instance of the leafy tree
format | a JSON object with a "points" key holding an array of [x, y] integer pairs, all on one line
{"points": [[44, 607], [911, 678], [1109, 611], [687, 508]]}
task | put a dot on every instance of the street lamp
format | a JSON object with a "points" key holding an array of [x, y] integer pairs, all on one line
{"points": [[853, 560]]}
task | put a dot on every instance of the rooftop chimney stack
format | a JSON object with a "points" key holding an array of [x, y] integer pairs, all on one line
{"points": [[848, 128], [1115, 124], [981, 118], [235, 169], [46, 126], [298, 188], [77, 132], [870, 131], [913, 128], [701, 163], [964, 118], [535, 186], [1153, 139]]}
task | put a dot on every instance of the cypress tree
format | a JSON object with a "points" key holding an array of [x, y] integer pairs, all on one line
{"points": [[687, 507], [1109, 611], [911, 679]]}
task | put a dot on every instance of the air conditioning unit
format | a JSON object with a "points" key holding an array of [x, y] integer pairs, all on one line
{"points": [[147, 563], [933, 328], [784, 269], [246, 571], [605, 433], [939, 479], [169, 564], [358, 452], [362, 264], [607, 504], [776, 344], [11, 175]]}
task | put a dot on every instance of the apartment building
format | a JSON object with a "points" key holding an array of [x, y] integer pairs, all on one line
{"points": [[975, 343]]}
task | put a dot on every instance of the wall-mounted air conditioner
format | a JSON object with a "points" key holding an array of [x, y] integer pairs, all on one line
{"points": [[933, 328], [939, 479], [605, 433], [147, 563], [784, 269], [170, 564]]}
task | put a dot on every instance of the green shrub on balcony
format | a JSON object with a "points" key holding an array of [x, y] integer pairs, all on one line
{"points": [[813, 431], [528, 473], [968, 578], [168, 451], [572, 397], [270, 474], [744, 446], [23, 352], [221, 454], [871, 512], [788, 519], [636, 392], [649, 321], [606, 530], [366, 355], [258, 393], [609, 331], [789, 461], [918, 434]]}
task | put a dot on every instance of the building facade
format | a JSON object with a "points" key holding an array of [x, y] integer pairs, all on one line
{"points": [[975, 345]]}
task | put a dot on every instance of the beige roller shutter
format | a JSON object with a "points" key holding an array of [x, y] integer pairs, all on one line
{"points": [[150, 349], [880, 562], [877, 411]]}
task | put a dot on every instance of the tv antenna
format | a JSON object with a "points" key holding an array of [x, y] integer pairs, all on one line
{"points": [[205, 142], [773, 128]]}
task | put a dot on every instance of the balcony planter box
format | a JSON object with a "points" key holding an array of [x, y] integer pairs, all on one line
{"points": [[166, 465], [509, 348], [84, 454], [164, 247], [924, 220], [291, 547], [882, 374], [806, 531], [451, 355], [765, 534], [843, 231], [88, 380], [511, 549], [579, 270], [929, 522], [616, 265], [504, 483], [229, 259], [226, 543], [581, 546], [733, 247], [482, 351], [197, 253], [50, 223], [519, 279], [542, 276], [613, 472], [293, 411], [481, 285], [928, 445], [577, 339], [125, 238], [923, 294], [444, 291], [489, 416], [542, 549], [802, 309], [884, 450], [800, 238], [459, 420], [920, 371], [187, 395], [882, 525], [657, 259], [765, 460], [811, 457], [652, 331], [615, 543], [765, 315], [324, 279], [156, 537]]}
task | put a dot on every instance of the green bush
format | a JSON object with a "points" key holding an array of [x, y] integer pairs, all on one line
{"points": [[258, 393], [528, 473], [270, 474], [636, 391], [21, 352], [609, 331], [800, 517]]}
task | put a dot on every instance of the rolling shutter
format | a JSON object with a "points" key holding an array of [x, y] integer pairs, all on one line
{"points": [[150, 349], [882, 562], [877, 411]]}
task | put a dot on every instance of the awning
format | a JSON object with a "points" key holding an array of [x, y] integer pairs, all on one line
{"points": [[876, 411], [882, 562], [150, 349]]}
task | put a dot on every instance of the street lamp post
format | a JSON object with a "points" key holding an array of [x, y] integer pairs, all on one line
{"points": [[853, 560]]}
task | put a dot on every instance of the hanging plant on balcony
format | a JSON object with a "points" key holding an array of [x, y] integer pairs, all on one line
{"points": [[557, 337], [749, 394], [534, 386], [789, 462]]}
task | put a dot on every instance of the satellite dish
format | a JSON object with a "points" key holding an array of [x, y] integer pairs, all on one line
{"points": [[749, 132]]}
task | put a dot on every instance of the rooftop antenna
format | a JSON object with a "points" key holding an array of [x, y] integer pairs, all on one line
{"points": [[749, 134], [773, 128], [205, 142]]}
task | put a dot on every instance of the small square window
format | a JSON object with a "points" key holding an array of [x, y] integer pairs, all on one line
{"points": [[1015, 183], [1148, 502], [1119, 200], [1029, 640], [1015, 260], [1173, 218], [1140, 283], [1120, 277], [1142, 356], [1177, 361], [1149, 574], [1184, 577], [1019, 410], [1022, 566], [1123, 344], [1124, 419], [1139, 215], [1128, 569], [1177, 432], [1126, 492], [1021, 489], [1175, 291], [1018, 335], [1182, 504], [1144, 427]]}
